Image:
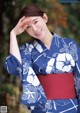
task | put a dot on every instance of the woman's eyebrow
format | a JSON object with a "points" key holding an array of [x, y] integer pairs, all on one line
{"points": [[35, 19]]}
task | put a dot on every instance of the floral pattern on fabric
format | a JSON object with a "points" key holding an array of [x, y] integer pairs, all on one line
{"points": [[64, 62], [63, 57]]}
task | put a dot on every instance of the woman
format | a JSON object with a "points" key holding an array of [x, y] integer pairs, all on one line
{"points": [[49, 65]]}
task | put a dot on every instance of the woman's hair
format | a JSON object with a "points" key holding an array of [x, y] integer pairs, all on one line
{"points": [[31, 10]]}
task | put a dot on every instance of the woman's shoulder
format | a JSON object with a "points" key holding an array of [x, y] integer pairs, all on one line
{"points": [[66, 39], [69, 40], [62, 39]]}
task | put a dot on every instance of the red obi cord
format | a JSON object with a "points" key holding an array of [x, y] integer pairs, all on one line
{"points": [[58, 86]]}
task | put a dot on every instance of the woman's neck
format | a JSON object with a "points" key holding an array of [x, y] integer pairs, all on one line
{"points": [[48, 40]]}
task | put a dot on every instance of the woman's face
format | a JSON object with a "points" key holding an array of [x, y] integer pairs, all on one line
{"points": [[36, 26]]}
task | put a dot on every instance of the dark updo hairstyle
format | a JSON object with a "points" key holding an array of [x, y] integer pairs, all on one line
{"points": [[31, 10]]}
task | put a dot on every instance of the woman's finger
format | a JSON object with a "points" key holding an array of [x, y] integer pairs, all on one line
{"points": [[22, 19]]}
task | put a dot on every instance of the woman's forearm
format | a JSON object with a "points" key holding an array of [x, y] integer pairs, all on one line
{"points": [[14, 48]]}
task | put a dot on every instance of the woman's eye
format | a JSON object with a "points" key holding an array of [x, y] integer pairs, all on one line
{"points": [[35, 22], [28, 27]]}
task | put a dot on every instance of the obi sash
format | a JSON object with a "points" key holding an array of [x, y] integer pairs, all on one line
{"points": [[58, 86]]}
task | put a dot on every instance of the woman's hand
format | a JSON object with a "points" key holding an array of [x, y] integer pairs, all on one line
{"points": [[20, 27]]}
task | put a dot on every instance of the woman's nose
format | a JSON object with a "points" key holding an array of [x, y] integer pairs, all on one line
{"points": [[34, 28]]}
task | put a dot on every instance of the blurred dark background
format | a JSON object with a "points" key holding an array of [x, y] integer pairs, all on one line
{"points": [[64, 19]]}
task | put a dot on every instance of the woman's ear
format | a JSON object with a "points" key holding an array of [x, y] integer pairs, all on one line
{"points": [[45, 17]]}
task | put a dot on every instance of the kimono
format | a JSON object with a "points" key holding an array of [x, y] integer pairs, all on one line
{"points": [[62, 57]]}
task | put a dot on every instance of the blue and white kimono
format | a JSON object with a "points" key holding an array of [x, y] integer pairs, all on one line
{"points": [[63, 56]]}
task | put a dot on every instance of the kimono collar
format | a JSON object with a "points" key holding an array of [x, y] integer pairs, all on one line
{"points": [[38, 46]]}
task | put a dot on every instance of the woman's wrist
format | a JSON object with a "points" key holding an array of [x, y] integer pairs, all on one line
{"points": [[12, 33]]}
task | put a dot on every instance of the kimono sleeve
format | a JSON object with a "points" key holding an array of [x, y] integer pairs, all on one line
{"points": [[32, 91], [76, 54], [13, 66]]}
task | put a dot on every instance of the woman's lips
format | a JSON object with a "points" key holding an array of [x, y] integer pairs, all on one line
{"points": [[37, 33]]}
